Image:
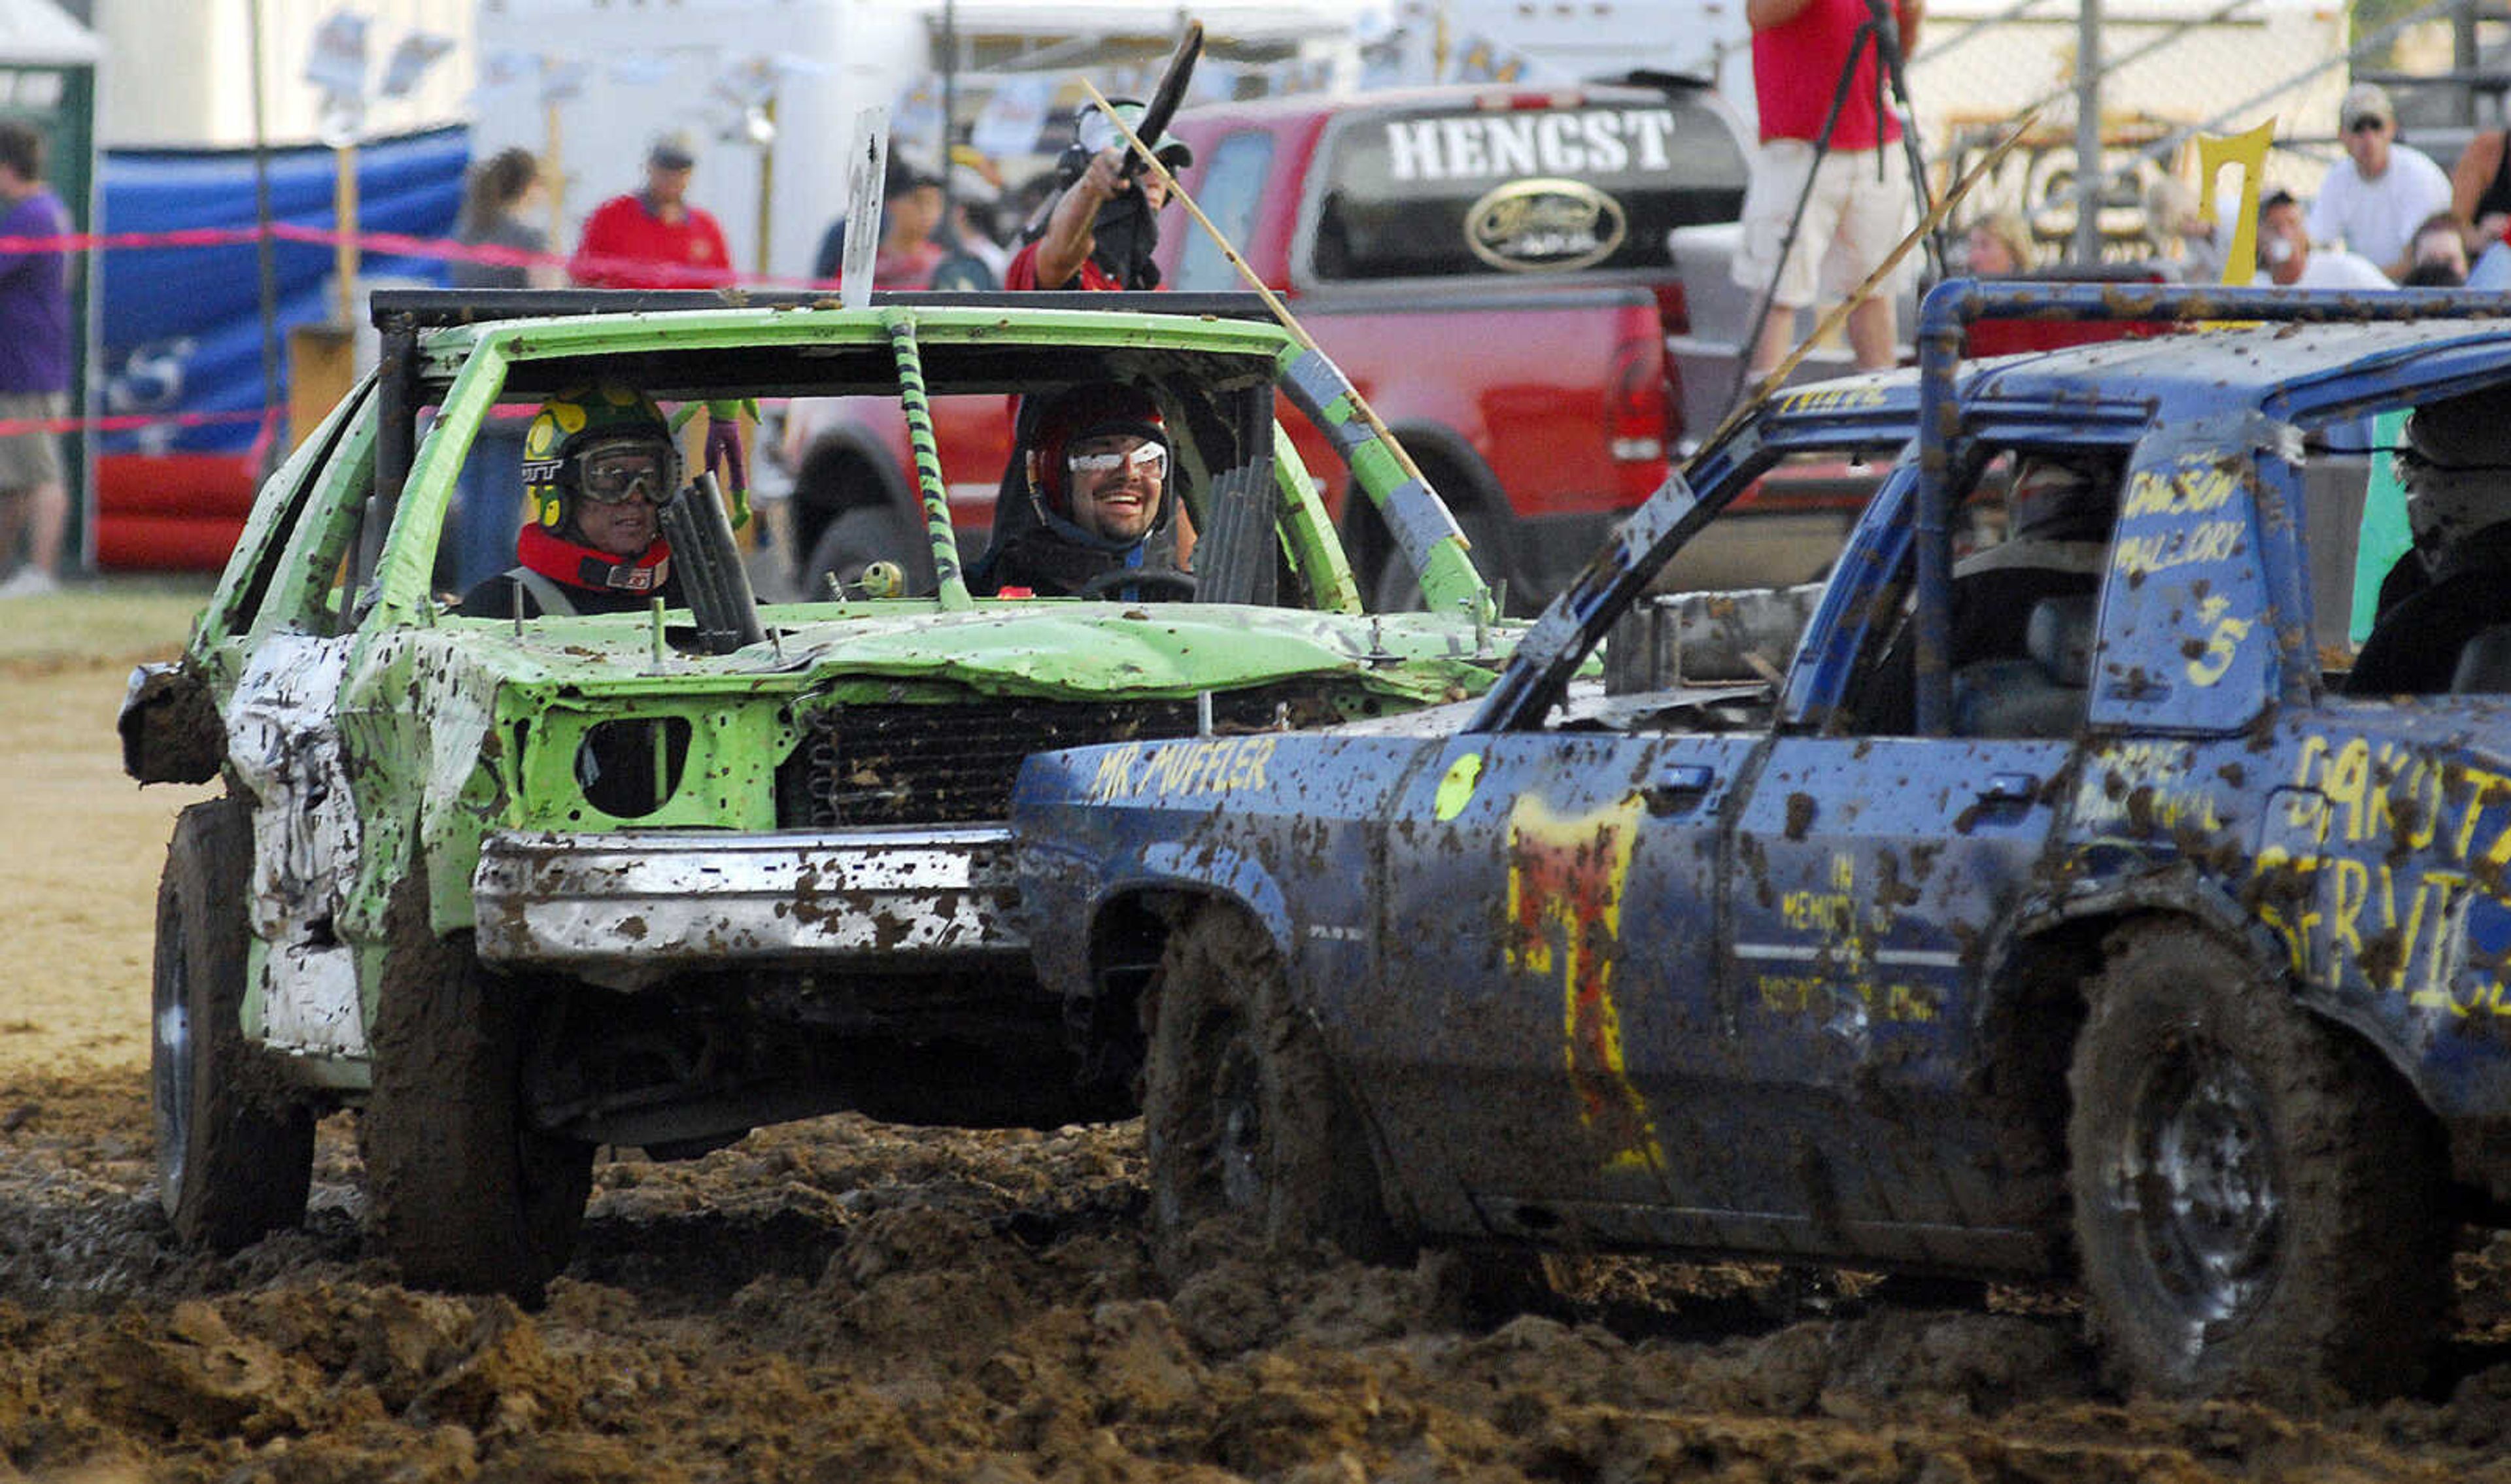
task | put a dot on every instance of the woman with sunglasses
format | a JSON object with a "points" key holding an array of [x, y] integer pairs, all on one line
{"points": [[598, 463], [1099, 480]]}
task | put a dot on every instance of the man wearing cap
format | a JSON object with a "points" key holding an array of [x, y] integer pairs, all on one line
{"points": [[2382, 190], [1101, 230], [654, 237]]}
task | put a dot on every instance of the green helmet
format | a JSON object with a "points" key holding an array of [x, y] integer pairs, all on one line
{"points": [[1093, 133], [573, 423]]}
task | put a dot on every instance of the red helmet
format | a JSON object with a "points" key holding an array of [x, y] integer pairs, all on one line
{"points": [[1090, 410]]}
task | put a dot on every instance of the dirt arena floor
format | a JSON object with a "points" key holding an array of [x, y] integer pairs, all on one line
{"points": [[843, 1301]]}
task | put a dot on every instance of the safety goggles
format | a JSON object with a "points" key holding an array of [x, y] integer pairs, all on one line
{"points": [[1150, 459], [616, 475]]}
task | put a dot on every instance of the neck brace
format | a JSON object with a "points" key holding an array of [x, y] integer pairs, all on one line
{"points": [[577, 566]]}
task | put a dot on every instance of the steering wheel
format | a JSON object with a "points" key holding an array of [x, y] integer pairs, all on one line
{"points": [[1179, 582]]}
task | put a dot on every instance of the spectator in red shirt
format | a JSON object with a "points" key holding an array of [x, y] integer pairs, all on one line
{"points": [[1860, 204], [1096, 236], [653, 238]]}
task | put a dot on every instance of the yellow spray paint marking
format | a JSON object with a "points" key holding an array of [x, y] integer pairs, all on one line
{"points": [[1457, 790], [1564, 910], [2220, 645], [1182, 770]]}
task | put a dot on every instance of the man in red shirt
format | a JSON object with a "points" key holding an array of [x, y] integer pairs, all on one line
{"points": [[1096, 236], [1100, 233], [653, 238], [1861, 205]]}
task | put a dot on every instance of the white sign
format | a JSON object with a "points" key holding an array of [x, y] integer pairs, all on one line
{"points": [[336, 63], [409, 61], [917, 117], [562, 80], [870, 159], [638, 69], [505, 67]]}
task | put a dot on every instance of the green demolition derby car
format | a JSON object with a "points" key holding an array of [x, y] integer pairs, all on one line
{"points": [[515, 887]]}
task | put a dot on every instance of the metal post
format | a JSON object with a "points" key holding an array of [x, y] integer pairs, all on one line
{"points": [[344, 216], [949, 101], [2090, 177], [766, 185], [2464, 58], [265, 261]]}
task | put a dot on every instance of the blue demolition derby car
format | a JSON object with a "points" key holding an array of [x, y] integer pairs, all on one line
{"points": [[2068, 887]]}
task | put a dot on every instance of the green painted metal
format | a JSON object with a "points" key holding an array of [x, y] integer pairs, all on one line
{"points": [[449, 727], [1307, 531], [935, 494], [409, 550], [445, 352], [229, 611]]}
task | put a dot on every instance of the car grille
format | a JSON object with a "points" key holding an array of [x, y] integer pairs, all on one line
{"points": [[872, 765]]}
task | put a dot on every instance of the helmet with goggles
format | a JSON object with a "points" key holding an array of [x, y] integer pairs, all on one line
{"points": [[607, 444], [1092, 130], [1087, 413]]}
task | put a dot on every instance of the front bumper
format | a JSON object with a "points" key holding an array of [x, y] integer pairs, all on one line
{"points": [[631, 907]]}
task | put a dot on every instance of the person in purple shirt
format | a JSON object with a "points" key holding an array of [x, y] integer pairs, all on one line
{"points": [[34, 365]]}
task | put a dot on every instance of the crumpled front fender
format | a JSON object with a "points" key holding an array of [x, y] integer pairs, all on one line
{"points": [[169, 726]]}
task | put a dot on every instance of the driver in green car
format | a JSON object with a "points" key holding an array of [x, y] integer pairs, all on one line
{"points": [[599, 465], [1098, 477]]}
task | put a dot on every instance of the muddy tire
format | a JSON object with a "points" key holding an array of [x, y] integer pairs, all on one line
{"points": [[1245, 1119], [462, 1194], [235, 1154], [2257, 1196]]}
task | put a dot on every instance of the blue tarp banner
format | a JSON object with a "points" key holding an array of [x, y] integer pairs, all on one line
{"points": [[181, 327]]}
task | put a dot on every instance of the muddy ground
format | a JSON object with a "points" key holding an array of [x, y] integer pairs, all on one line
{"points": [[843, 1300]]}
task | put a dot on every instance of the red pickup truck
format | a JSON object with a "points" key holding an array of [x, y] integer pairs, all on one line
{"points": [[1489, 267]]}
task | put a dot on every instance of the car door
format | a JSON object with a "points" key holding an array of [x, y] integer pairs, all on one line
{"points": [[1550, 902], [1869, 876], [1873, 872]]}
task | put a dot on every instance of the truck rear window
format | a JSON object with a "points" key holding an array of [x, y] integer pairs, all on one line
{"points": [[1593, 184]]}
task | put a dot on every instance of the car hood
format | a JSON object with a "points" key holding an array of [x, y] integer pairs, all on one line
{"points": [[1031, 648]]}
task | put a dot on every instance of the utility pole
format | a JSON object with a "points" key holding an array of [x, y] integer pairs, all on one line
{"points": [[2091, 184]]}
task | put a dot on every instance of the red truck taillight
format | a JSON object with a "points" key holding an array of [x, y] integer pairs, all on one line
{"points": [[1673, 316], [1636, 407]]}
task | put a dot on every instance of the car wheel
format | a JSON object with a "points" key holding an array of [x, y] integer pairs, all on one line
{"points": [[1245, 1119], [2256, 1193], [860, 536], [235, 1154], [463, 1194]]}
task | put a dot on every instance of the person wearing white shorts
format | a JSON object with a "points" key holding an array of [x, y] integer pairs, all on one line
{"points": [[1852, 221], [1861, 205]]}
